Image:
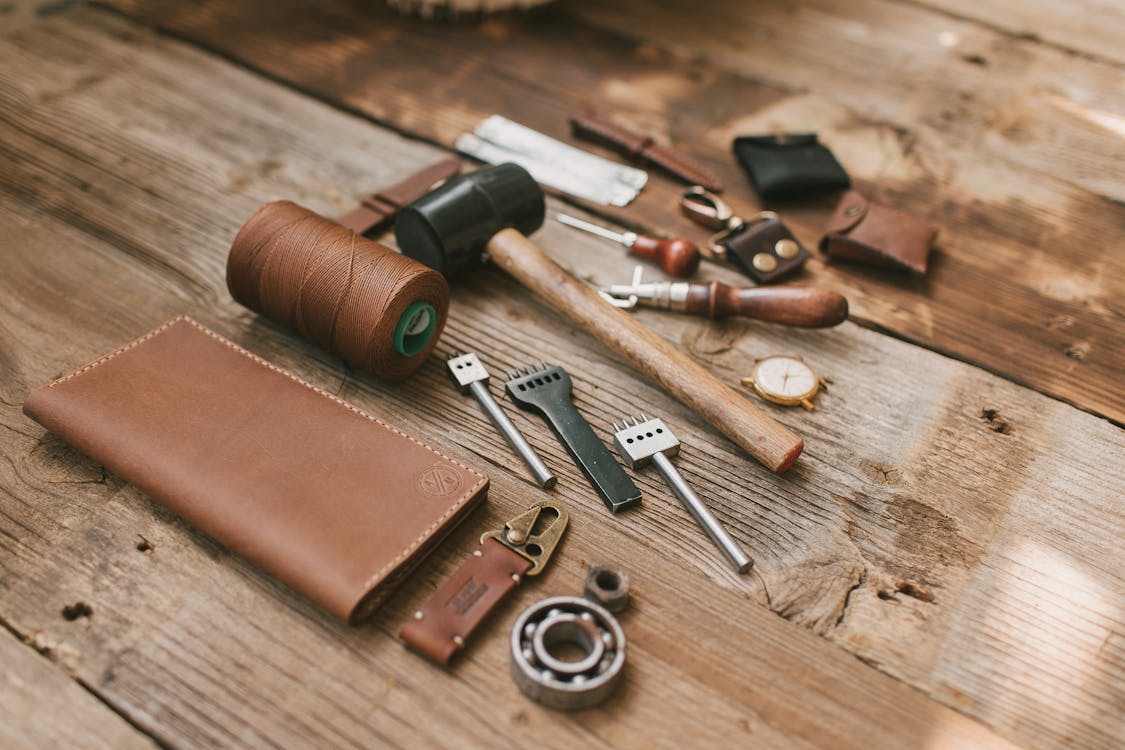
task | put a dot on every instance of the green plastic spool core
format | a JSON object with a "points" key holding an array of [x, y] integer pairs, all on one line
{"points": [[414, 328]]}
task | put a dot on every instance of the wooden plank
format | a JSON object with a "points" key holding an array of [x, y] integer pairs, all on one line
{"points": [[967, 86], [1026, 280], [1085, 27], [945, 526], [40, 706]]}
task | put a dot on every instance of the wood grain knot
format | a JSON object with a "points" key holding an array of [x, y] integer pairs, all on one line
{"points": [[995, 422]]}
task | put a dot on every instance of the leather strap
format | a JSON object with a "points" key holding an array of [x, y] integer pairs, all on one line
{"points": [[376, 210], [593, 127], [444, 623]]}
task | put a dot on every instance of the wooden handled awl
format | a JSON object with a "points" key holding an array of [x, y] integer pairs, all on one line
{"points": [[678, 257], [486, 214], [804, 307]]}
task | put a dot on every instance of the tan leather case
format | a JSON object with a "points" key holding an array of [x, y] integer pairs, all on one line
{"points": [[328, 499]]}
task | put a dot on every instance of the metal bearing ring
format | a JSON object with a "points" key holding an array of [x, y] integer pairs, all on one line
{"points": [[607, 586], [561, 683]]}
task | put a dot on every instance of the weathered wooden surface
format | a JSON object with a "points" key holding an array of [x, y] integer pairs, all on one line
{"points": [[1012, 148], [956, 532], [43, 707], [1091, 28]]}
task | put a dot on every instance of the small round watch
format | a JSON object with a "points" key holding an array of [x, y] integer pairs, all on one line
{"points": [[785, 380]]}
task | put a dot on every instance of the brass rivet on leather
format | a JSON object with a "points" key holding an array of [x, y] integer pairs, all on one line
{"points": [[764, 262], [787, 248], [851, 210]]}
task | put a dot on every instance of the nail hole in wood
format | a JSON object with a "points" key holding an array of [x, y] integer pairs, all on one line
{"points": [[72, 612]]}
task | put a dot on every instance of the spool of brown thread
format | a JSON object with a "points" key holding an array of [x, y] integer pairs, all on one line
{"points": [[380, 311]]}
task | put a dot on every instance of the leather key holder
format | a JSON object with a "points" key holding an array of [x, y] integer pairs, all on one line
{"points": [[593, 127], [764, 249], [376, 210], [761, 247], [440, 628], [789, 165], [867, 232]]}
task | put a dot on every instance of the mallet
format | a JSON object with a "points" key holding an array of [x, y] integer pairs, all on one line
{"points": [[486, 215]]}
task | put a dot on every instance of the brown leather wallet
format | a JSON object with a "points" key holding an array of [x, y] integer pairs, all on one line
{"points": [[328, 499], [868, 232]]}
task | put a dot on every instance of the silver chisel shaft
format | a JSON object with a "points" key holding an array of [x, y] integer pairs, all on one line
{"points": [[472, 377]]}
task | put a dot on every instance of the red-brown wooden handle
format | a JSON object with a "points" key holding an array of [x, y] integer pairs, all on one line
{"points": [[677, 257], [806, 307], [775, 445]]}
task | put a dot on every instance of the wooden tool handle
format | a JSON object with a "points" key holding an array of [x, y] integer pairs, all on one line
{"points": [[806, 307], [775, 445], [677, 257]]}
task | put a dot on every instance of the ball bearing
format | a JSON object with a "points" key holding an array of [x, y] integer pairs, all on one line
{"points": [[545, 673]]}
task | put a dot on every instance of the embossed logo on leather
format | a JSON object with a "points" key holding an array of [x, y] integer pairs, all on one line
{"points": [[439, 480]]}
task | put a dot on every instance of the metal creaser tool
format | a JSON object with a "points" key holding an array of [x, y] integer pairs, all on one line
{"points": [[649, 440], [547, 390], [470, 376]]}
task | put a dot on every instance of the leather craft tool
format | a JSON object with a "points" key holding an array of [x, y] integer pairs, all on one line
{"points": [[598, 129], [452, 614], [761, 247], [561, 683], [678, 257], [547, 390], [650, 441], [498, 140], [785, 380], [486, 214], [804, 307], [379, 311], [470, 376]]}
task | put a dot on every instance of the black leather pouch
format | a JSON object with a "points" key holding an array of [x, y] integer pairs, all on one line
{"points": [[788, 166]]}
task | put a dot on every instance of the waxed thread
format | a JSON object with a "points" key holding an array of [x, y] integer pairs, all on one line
{"points": [[339, 290]]}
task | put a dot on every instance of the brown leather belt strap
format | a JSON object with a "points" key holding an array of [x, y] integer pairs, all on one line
{"points": [[593, 127], [376, 210], [447, 619]]}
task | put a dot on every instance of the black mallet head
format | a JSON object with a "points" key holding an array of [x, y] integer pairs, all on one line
{"points": [[448, 229]]}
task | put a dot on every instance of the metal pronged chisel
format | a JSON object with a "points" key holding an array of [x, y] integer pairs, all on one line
{"points": [[547, 390], [650, 440]]}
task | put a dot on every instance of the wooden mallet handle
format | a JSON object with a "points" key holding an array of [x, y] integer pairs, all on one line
{"points": [[775, 445]]}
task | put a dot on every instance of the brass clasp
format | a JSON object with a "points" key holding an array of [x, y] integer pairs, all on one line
{"points": [[537, 547]]}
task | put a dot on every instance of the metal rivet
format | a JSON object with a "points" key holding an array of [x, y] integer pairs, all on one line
{"points": [[515, 536], [459, 640], [764, 262], [787, 248], [851, 210]]}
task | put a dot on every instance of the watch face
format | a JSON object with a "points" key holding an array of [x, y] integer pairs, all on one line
{"points": [[785, 377]]}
